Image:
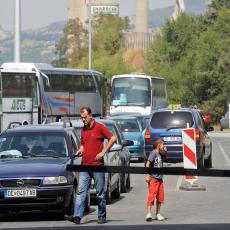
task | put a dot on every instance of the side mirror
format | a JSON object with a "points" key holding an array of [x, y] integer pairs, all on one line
{"points": [[127, 143], [116, 147]]}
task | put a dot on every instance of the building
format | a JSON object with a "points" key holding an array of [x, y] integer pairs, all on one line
{"points": [[81, 8]]}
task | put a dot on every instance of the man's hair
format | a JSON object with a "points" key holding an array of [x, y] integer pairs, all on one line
{"points": [[156, 142], [86, 108]]}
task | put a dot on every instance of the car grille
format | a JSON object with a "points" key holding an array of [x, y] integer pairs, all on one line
{"points": [[20, 183]]}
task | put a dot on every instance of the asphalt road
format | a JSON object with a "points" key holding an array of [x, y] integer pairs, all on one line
{"points": [[209, 209]]}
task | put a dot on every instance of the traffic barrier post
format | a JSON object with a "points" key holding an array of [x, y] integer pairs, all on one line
{"points": [[190, 182]]}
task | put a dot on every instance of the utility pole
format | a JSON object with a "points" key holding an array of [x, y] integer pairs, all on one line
{"points": [[17, 30], [89, 37]]}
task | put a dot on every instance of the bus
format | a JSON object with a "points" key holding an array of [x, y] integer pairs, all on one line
{"points": [[137, 93], [39, 93]]}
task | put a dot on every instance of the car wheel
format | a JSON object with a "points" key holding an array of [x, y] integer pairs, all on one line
{"points": [[123, 184], [200, 162], [108, 192], [117, 191], [208, 162], [70, 208], [128, 182]]}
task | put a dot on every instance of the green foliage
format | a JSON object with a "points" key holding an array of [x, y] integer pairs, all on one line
{"points": [[192, 53], [107, 53]]}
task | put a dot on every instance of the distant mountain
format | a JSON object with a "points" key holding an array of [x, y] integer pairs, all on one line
{"points": [[36, 45], [157, 17], [39, 45]]}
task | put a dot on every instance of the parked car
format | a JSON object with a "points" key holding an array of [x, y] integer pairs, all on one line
{"points": [[224, 122], [119, 155], [168, 124], [132, 129], [33, 173], [206, 117]]}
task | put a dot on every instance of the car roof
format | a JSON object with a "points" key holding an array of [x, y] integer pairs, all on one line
{"points": [[124, 117], [176, 110], [35, 128]]}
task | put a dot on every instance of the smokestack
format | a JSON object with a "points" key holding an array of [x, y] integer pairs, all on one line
{"points": [[142, 11]]}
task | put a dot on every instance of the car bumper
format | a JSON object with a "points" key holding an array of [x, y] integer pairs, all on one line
{"points": [[137, 152], [51, 198]]}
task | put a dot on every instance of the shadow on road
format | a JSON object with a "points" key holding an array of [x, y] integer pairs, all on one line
{"points": [[140, 227]]}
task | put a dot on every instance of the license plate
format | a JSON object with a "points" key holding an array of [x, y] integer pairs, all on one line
{"points": [[20, 193], [172, 139]]}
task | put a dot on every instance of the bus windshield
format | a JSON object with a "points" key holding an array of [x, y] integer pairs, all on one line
{"points": [[17, 84], [129, 91], [70, 82]]}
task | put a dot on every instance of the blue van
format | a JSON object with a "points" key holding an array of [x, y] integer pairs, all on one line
{"points": [[168, 124]]}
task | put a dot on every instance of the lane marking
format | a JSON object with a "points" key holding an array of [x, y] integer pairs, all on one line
{"points": [[224, 154]]}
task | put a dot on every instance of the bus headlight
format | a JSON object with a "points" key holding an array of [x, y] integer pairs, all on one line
{"points": [[55, 180]]}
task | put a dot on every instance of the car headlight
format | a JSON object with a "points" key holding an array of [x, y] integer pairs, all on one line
{"points": [[136, 142], [55, 180]]}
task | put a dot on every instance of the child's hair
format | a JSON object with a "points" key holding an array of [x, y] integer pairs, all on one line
{"points": [[156, 142]]}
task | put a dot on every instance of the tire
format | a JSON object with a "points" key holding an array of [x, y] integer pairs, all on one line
{"points": [[117, 191], [208, 162], [128, 182], [70, 209], [108, 193], [123, 184], [200, 162]]}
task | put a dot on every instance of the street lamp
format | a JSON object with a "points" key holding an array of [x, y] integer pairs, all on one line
{"points": [[17, 30], [89, 36]]}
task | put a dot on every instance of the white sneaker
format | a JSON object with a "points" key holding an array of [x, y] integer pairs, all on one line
{"points": [[148, 217], [159, 217]]}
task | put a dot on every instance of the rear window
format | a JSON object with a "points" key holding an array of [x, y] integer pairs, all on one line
{"points": [[171, 119]]}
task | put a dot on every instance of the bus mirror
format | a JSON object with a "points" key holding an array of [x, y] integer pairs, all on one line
{"points": [[47, 82]]}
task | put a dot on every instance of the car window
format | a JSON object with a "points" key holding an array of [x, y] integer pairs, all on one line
{"points": [[171, 119], [128, 125], [35, 143], [113, 130]]}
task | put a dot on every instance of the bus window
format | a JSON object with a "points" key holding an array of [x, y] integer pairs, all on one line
{"points": [[17, 85]]}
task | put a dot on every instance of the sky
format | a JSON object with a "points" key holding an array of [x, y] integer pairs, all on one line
{"points": [[39, 13]]}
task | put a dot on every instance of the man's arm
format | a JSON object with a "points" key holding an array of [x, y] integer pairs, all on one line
{"points": [[106, 149]]}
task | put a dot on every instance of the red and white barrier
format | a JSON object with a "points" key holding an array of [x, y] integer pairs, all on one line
{"points": [[189, 153]]}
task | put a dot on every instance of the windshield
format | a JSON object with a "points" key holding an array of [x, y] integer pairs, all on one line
{"points": [[32, 145], [18, 84], [171, 119], [130, 91], [128, 125]]}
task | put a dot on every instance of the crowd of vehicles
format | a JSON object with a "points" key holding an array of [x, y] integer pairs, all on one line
{"points": [[39, 93], [33, 95]]}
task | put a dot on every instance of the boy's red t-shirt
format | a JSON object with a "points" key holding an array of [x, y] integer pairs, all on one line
{"points": [[92, 139]]}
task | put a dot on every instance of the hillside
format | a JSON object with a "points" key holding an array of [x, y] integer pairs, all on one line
{"points": [[39, 45]]}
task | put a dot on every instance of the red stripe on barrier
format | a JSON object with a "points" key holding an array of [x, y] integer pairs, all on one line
{"points": [[190, 154], [190, 133]]}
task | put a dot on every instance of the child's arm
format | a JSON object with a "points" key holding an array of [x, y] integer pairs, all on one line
{"points": [[147, 177]]}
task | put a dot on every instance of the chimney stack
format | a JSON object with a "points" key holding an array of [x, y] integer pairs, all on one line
{"points": [[142, 11]]}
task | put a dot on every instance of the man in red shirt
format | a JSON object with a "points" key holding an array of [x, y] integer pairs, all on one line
{"points": [[92, 151]]}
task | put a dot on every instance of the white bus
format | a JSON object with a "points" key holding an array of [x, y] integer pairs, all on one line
{"points": [[137, 93], [39, 93]]}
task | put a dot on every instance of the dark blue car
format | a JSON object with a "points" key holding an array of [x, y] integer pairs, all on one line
{"points": [[33, 172], [168, 124]]}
